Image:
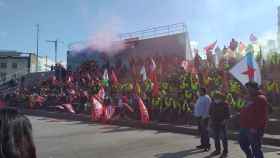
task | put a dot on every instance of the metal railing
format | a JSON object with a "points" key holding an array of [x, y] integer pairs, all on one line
{"points": [[155, 32]]}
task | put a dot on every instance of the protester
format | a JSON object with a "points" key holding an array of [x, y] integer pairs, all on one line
{"points": [[253, 120], [219, 113], [201, 111], [16, 139]]}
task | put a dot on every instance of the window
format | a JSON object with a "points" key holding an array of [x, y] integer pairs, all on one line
{"points": [[3, 65], [14, 76], [3, 76], [14, 65]]}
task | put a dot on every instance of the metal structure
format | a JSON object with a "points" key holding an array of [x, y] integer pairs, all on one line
{"points": [[155, 32], [278, 27], [37, 49], [55, 42]]}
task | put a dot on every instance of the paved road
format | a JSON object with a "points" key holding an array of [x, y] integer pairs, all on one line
{"points": [[71, 139]]}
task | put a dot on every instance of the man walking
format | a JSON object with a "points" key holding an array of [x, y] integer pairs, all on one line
{"points": [[201, 111], [253, 120]]}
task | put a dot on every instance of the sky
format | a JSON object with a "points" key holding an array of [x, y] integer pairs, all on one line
{"points": [[78, 20]]}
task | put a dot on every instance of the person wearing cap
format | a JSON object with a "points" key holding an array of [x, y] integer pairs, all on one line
{"points": [[253, 120], [219, 113], [201, 111]]}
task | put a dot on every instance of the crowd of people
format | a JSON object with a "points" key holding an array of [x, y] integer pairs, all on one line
{"points": [[168, 92]]}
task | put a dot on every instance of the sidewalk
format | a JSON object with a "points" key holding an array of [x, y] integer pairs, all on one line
{"points": [[185, 129]]}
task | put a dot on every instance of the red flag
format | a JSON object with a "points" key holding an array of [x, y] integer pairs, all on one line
{"points": [[101, 94], [210, 47], [69, 108], [114, 79], [143, 111], [108, 112], [96, 110]]}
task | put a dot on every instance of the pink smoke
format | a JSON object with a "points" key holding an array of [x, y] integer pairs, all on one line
{"points": [[106, 41]]}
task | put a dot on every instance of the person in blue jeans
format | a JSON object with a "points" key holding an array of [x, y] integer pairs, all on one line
{"points": [[201, 111], [219, 113], [253, 120]]}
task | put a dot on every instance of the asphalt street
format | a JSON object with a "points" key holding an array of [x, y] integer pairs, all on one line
{"points": [[56, 138]]}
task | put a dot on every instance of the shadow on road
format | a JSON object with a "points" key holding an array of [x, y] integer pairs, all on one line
{"points": [[179, 154]]}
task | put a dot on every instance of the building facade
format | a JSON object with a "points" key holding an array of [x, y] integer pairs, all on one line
{"points": [[14, 65]]}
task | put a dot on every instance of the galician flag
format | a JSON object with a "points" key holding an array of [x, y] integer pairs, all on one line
{"points": [[105, 78], [247, 70]]}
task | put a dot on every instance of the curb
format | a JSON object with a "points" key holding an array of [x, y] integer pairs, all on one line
{"points": [[232, 135]]}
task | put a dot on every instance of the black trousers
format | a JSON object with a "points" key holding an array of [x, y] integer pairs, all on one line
{"points": [[203, 130]]}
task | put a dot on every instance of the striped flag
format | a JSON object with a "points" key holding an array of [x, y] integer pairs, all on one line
{"points": [[96, 110], [143, 111], [108, 112]]}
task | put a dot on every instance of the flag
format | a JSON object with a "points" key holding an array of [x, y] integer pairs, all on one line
{"points": [[114, 79], [185, 65], [242, 47], [253, 38], [108, 112], [218, 56], [101, 94], [155, 90], [69, 108], [143, 73], [208, 49], [96, 110], [247, 70], [105, 78], [153, 65], [143, 111]]}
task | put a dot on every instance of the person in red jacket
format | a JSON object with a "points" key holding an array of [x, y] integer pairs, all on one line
{"points": [[253, 120]]}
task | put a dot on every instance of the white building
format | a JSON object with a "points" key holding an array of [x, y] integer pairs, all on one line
{"points": [[14, 64]]}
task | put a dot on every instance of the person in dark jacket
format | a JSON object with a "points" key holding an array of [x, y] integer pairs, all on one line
{"points": [[219, 113], [16, 139], [253, 120]]}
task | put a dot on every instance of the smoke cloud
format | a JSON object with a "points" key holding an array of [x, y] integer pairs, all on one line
{"points": [[106, 41]]}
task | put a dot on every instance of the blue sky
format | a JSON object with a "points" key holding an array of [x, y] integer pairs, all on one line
{"points": [[75, 20]]}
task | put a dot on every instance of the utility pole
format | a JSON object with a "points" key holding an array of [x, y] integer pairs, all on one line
{"points": [[55, 48], [37, 49], [46, 66]]}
